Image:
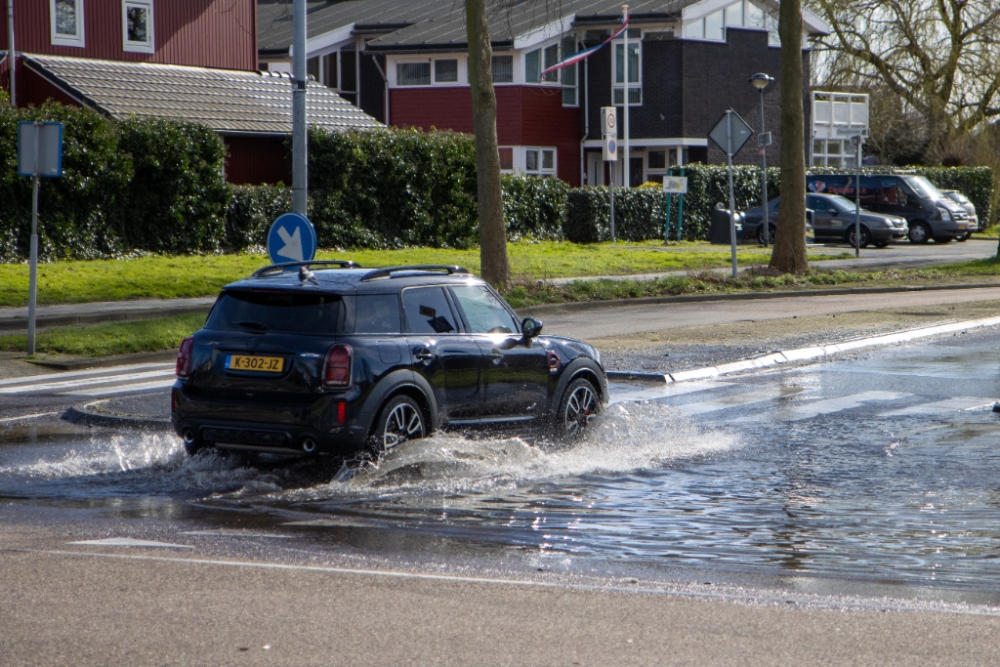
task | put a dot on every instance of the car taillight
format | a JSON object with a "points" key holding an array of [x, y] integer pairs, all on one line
{"points": [[337, 370], [184, 357]]}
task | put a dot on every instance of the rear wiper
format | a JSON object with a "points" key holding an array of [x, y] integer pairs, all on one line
{"points": [[251, 325]]}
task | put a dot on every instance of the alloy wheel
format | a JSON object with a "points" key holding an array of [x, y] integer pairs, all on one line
{"points": [[403, 423], [581, 406]]}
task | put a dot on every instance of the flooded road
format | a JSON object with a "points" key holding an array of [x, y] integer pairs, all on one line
{"points": [[883, 468]]}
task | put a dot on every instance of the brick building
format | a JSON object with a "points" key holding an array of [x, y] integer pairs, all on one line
{"points": [[405, 63]]}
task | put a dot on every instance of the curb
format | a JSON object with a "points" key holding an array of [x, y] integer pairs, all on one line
{"points": [[18, 323], [80, 363], [802, 354], [742, 296], [86, 417]]}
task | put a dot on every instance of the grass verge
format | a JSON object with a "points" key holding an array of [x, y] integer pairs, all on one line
{"points": [[194, 276], [101, 340], [760, 280]]}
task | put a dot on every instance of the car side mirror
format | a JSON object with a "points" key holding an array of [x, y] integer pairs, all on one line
{"points": [[530, 327]]}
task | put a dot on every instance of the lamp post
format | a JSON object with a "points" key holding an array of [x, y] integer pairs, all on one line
{"points": [[760, 81]]}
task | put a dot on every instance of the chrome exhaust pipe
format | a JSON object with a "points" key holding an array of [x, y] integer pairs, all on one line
{"points": [[189, 436], [309, 445]]}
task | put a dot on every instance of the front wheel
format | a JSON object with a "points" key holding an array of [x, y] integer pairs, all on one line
{"points": [[866, 237], [579, 405], [770, 238], [942, 239], [920, 233], [401, 420]]}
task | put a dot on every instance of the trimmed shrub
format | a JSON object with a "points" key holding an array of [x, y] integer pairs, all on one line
{"points": [[80, 214], [534, 207], [251, 211], [178, 194]]}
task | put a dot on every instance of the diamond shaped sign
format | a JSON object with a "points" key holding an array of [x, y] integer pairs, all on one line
{"points": [[730, 133]]}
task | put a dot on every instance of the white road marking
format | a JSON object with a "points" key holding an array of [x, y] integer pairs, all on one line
{"points": [[68, 384], [736, 400], [130, 542], [810, 409], [34, 416], [89, 372], [958, 404], [123, 389]]}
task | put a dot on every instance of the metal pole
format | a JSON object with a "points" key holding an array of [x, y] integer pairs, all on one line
{"points": [[611, 192], [627, 174], [857, 204], [666, 222], [763, 173], [732, 196], [680, 211], [33, 267], [300, 146], [11, 53]]}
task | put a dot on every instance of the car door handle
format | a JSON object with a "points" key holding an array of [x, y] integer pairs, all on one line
{"points": [[423, 354], [496, 355]]}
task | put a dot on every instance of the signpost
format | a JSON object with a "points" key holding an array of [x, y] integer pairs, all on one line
{"points": [[857, 140], [674, 185], [730, 134], [292, 239], [609, 128], [39, 153]]}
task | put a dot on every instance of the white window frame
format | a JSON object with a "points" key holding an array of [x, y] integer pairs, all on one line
{"points": [[460, 81], [76, 40], [575, 86], [694, 29], [521, 160], [149, 46], [625, 85]]}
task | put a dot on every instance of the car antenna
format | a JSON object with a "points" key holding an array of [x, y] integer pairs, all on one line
{"points": [[305, 275]]}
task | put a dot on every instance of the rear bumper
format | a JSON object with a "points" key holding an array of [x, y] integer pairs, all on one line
{"points": [[270, 428]]}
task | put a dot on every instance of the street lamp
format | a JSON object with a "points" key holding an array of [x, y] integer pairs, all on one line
{"points": [[760, 81]]}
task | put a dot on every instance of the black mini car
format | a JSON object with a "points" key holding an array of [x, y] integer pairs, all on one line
{"points": [[348, 360]]}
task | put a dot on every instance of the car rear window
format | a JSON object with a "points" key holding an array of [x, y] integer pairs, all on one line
{"points": [[278, 311]]}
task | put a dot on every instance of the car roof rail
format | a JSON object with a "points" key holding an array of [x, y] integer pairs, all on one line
{"points": [[281, 268], [389, 271]]}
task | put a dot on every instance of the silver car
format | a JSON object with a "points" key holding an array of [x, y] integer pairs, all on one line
{"points": [[969, 207]]}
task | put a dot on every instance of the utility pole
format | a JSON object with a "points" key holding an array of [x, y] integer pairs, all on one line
{"points": [[300, 140], [11, 53], [627, 178]]}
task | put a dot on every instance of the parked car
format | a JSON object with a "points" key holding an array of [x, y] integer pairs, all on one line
{"points": [[345, 360], [970, 209], [753, 222], [928, 213], [834, 219]]}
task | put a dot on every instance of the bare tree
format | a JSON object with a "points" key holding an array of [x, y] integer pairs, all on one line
{"points": [[941, 57], [789, 253], [492, 231]]}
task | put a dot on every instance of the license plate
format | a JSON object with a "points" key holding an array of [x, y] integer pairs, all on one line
{"points": [[244, 362], [961, 227]]}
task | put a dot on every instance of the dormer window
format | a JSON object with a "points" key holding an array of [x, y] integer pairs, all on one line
{"points": [[137, 26], [66, 18]]}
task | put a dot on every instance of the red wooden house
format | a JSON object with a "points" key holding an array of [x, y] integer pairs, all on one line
{"points": [[191, 60]]}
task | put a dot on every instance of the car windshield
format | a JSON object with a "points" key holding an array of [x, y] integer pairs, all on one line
{"points": [[843, 203], [923, 188], [958, 196], [278, 311]]}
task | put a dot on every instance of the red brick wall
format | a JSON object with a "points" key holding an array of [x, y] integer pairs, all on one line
{"points": [[526, 116]]}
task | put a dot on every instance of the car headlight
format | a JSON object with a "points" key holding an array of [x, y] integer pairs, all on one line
{"points": [[945, 213]]}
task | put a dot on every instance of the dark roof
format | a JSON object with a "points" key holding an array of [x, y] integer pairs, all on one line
{"points": [[410, 25], [228, 101]]}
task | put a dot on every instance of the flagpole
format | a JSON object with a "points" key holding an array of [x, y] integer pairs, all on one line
{"points": [[627, 176]]}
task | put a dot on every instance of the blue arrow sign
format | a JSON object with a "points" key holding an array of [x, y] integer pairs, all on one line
{"points": [[292, 239]]}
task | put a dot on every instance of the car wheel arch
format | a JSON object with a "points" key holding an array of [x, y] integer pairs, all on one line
{"points": [[395, 383], [579, 368]]}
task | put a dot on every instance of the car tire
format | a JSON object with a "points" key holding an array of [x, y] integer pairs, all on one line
{"points": [[760, 234], [943, 239], [400, 420], [920, 233], [964, 237], [866, 237], [579, 404]]}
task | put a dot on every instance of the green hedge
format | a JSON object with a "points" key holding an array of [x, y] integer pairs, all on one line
{"points": [[251, 210], [639, 212], [534, 207], [152, 185], [81, 214]]}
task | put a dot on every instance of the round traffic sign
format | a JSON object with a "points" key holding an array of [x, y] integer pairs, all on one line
{"points": [[292, 239], [612, 146]]}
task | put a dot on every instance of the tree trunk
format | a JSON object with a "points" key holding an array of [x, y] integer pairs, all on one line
{"points": [[789, 254], [492, 232]]}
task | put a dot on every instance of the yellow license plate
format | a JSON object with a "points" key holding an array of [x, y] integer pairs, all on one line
{"points": [[244, 362]]}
